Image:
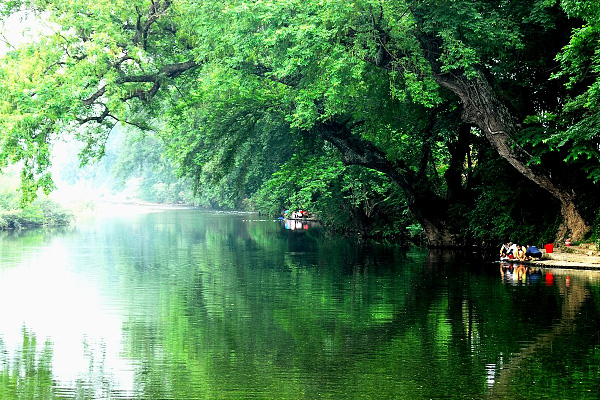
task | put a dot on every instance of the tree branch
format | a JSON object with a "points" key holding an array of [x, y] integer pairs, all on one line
{"points": [[98, 119], [170, 71]]}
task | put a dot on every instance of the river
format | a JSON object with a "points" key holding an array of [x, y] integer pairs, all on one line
{"points": [[183, 304]]}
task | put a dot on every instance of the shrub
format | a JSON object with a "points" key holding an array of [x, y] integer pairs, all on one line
{"points": [[41, 212]]}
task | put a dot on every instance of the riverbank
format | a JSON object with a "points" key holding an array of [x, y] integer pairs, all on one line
{"points": [[585, 256]]}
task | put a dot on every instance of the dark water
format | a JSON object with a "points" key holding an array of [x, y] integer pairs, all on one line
{"points": [[192, 305]]}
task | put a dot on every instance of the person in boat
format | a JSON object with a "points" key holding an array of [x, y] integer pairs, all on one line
{"points": [[533, 252]]}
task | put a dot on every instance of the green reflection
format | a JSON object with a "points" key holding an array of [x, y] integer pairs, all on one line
{"points": [[221, 306], [28, 375]]}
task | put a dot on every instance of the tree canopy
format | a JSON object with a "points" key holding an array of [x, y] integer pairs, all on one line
{"points": [[430, 109]]}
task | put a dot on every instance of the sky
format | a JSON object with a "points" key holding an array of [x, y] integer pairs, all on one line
{"points": [[17, 29]]}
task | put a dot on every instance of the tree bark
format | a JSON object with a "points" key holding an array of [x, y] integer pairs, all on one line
{"points": [[482, 108], [427, 208], [459, 153]]}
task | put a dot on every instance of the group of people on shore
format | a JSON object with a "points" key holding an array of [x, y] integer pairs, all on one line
{"points": [[300, 214], [514, 251]]}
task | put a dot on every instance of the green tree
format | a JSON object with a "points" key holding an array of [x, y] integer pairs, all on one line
{"points": [[406, 88]]}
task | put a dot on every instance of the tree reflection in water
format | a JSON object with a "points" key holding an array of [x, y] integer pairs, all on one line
{"points": [[28, 374], [224, 308]]}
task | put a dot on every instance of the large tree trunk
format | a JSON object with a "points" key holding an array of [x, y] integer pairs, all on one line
{"points": [[483, 109], [426, 207]]}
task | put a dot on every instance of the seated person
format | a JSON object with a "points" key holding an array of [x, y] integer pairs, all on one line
{"points": [[520, 255], [504, 251], [512, 251], [533, 252]]}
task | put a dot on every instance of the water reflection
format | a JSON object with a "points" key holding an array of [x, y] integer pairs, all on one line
{"points": [[187, 305], [299, 224], [28, 375], [538, 356], [515, 273]]}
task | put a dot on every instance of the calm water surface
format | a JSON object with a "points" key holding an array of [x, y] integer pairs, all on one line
{"points": [[183, 304]]}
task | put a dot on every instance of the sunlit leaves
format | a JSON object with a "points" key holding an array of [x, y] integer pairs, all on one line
{"points": [[580, 62], [74, 75]]}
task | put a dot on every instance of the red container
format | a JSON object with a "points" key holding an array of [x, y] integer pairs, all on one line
{"points": [[549, 247]]}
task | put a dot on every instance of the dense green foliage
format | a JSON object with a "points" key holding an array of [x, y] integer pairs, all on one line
{"points": [[376, 115], [345, 198]]}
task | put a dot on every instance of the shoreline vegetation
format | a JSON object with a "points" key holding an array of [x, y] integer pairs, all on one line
{"points": [[47, 212], [41, 212]]}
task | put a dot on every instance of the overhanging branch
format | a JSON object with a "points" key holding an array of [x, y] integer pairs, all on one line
{"points": [[169, 71]]}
